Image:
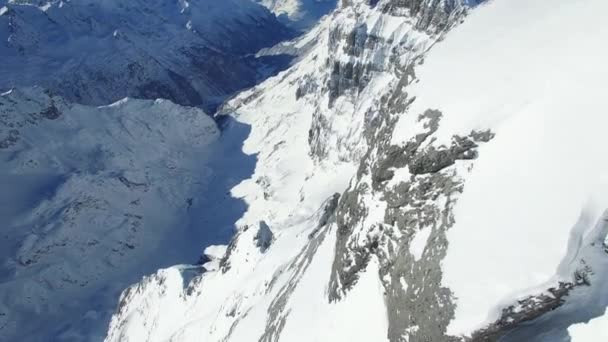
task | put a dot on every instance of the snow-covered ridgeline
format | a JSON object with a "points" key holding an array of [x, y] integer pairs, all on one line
{"points": [[470, 206], [310, 127]]}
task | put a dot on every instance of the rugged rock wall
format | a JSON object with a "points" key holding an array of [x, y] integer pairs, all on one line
{"points": [[332, 119], [346, 94]]}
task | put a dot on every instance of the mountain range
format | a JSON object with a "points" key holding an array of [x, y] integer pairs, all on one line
{"points": [[362, 170]]}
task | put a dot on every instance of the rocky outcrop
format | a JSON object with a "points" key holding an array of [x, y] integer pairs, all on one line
{"points": [[419, 308], [429, 15], [364, 51], [417, 305], [263, 238]]}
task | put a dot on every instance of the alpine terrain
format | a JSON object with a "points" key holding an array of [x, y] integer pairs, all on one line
{"points": [[299, 170]]}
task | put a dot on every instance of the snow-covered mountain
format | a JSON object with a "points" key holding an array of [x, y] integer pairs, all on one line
{"points": [[428, 171], [425, 170], [97, 52], [299, 14], [92, 198]]}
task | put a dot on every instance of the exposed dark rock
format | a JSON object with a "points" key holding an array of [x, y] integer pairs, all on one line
{"points": [[525, 310], [419, 308], [263, 238], [133, 185], [329, 210], [51, 112]]}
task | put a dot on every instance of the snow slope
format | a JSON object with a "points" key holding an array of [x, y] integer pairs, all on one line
{"points": [[543, 97]]}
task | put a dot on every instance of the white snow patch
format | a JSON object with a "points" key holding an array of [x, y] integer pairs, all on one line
{"points": [[45, 7], [215, 253], [3, 10], [404, 284], [419, 242]]}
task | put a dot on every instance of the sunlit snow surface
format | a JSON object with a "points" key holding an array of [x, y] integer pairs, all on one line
{"points": [[534, 72], [595, 330], [287, 190]]}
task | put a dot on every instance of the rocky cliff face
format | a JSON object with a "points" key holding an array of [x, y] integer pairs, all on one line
{"points": [[346, 95]]}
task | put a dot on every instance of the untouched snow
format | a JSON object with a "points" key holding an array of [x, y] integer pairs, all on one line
{"points": [[534, 72], [419, 242], [361, 317], [595, 330]]}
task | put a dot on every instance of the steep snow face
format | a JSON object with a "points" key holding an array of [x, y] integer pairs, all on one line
{"points": [[94, 197], [516, 232], [285, 288], [96, 52]]}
